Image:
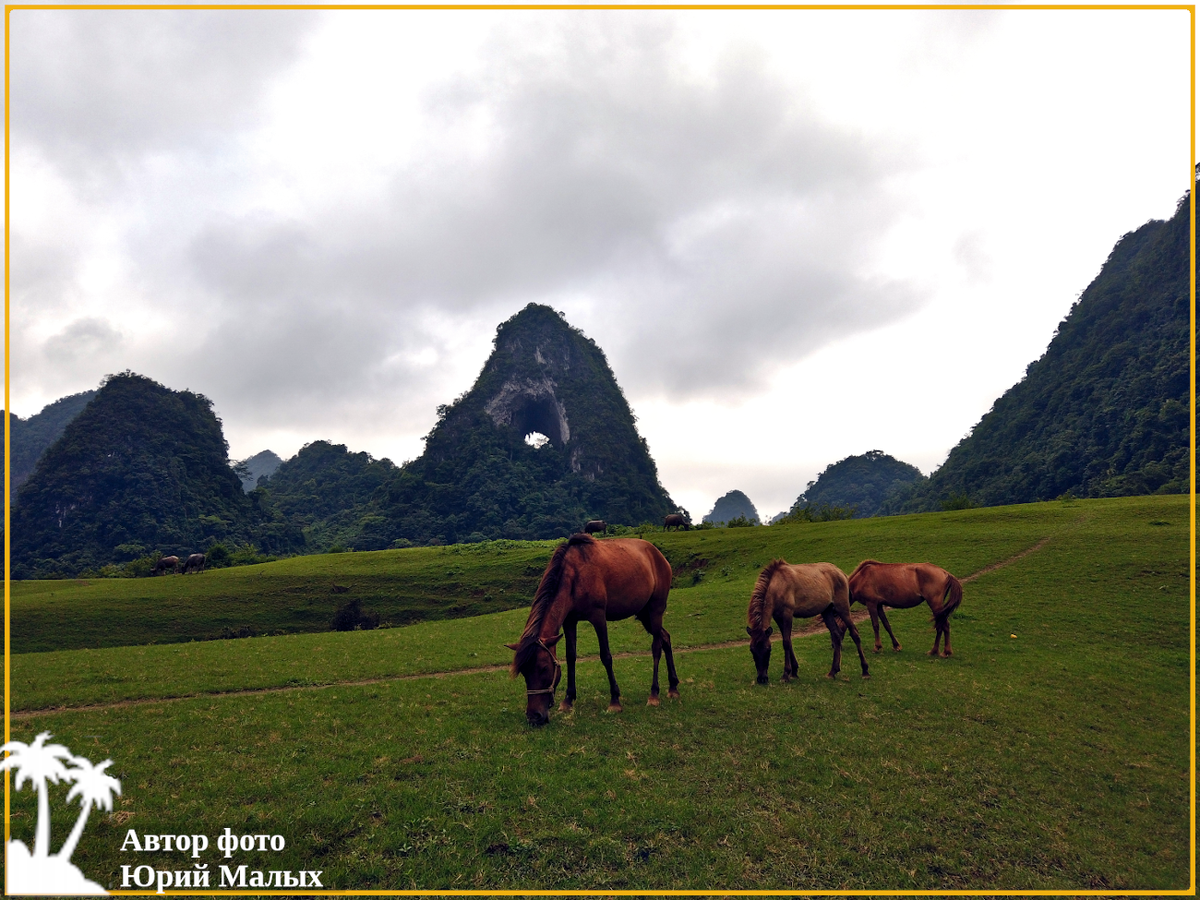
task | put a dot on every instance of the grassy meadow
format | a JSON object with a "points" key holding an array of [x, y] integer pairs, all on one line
{"points": [[1051, 752]]}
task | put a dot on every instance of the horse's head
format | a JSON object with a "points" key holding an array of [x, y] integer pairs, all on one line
{"points": [[760, 649], [542, 672]]}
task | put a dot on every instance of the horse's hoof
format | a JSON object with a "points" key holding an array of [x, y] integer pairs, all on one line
{"points": [[564, 707], [866, 674], [896, 649], [653, 701], [878, 649], [673, 694], [932, 653], [614, 708], [947, 654]]}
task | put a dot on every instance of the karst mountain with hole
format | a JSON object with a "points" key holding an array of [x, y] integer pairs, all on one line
{"points": [[541, 443]]}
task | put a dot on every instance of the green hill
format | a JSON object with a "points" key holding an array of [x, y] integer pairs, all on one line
{"points": [[858, 483], [1105, 411], [141, 470]]}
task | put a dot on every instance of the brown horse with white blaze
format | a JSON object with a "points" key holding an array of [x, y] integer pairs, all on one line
{"points": [[904, 585], [597, 582], [784, 592]]}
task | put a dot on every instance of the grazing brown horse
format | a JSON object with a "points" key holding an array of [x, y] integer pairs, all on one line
{"points": [[784, 592], [595, 525], [165, 563], [676, 521], [903, 585], [194, 563], [597, 582]]}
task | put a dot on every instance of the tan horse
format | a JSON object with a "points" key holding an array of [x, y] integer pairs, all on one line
{"points": [[784, 592], [904, 585], [597, 582]]}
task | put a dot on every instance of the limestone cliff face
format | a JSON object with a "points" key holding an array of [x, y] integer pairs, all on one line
{"points": [[543, 377]]}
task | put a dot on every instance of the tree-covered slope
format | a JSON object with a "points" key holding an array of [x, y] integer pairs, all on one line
{"points": [[142, 469], [860, 483], [1105, 411], [30, 437]]}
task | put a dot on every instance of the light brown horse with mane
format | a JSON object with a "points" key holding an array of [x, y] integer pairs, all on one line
{"points": [[597, 582], [784, 592], [904, 585]]}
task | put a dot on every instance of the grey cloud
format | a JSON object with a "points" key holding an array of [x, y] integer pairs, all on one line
{"points": [[95, 88], [83, 343], [725, 213]]}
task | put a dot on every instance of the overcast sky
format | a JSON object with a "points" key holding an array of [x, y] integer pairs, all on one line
{"points": [[798, 235]]}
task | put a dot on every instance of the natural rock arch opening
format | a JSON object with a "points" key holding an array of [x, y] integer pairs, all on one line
{"points": [[540, 415]]}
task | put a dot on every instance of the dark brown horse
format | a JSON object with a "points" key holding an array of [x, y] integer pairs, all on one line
{"points": [[165, 563], [676, 521], [597, 582], [194, 563], [595, 525], [903, 585], [784, 592]]}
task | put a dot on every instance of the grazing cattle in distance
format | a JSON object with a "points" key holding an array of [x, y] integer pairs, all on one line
{"points": [[598, 582], [903, 585], [596, 525], [194, 563], [677, 521], [165, 563], [784, 592]]}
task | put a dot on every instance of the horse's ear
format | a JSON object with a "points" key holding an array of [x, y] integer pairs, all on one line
{"points": [[512, 647]]}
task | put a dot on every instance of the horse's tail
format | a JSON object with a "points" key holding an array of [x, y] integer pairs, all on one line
{"points": [[754, 617], [544, 597], [951, 598]]}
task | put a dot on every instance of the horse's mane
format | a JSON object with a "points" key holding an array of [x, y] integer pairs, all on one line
{"points": [[865, 562], [758, 616], [544, 598]]}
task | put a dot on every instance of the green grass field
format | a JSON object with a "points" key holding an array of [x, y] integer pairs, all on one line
{"points": [[1051, 752]]}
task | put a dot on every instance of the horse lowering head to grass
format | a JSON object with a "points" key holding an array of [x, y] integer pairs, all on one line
{"points": [[166, 563], [784, 592], [903, 585], [598, 582]]}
